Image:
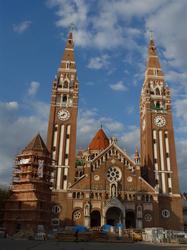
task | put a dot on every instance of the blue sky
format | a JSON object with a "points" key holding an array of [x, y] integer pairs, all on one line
{"points": [[111, 39]]}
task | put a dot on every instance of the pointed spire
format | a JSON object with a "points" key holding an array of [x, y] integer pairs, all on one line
{"points": [[100, 141], [36, 144], [136, 155], [68, 59], [153, 69]]}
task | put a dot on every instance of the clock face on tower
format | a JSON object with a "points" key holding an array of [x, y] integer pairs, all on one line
{"points": [[159, 121], [63, 115]]}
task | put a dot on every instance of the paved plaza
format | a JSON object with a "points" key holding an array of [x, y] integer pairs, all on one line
{"points": [[6, 244]]}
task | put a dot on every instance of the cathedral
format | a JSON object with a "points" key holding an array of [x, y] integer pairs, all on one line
{"points": [[101, 184]]}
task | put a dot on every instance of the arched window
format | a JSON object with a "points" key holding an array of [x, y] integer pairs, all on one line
{"points": [[157, 105], [67, 65], [65, 85], [64, 98], [74, 195], [157, 91], [139, 212]]}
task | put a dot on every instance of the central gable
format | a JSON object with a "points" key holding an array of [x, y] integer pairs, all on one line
{"points": [[112, 151]]}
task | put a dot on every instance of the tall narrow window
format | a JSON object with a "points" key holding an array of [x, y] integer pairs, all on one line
{"points": [[157, 91], [65, 85], [158, 105], [64, 98], [67, 65]]}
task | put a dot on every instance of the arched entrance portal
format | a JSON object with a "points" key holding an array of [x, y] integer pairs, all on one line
{"points": [[130, 219], [95, 219], [114, 216]]}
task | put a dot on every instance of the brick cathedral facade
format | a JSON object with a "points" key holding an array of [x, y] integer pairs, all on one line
{"points": [[103, 184]]}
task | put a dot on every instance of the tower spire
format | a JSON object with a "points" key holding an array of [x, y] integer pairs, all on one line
{"points": [[68, 60], [136, 155], [153, 69]]}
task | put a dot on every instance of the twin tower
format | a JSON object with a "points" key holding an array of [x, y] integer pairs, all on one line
{"points": [[158, 164], [101, 184]]}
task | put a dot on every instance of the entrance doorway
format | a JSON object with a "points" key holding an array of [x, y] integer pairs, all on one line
{"points": [[130, 219], [114, 216], [95, 219]]}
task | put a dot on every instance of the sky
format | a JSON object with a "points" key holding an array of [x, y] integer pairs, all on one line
{"points": [[111, 39]]}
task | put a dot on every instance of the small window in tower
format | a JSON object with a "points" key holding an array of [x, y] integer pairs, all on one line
{"points": [[158, 105], [67, 136], [169, 190], [154, 141], [54, 148], [69, 41], [157, 91], [156, 72], [64, 98], [74, 195], [166, 135], [155, 160], [68, 65], [65, 85], [66, 156], [167, 155], [156, 181], [65, 177]]}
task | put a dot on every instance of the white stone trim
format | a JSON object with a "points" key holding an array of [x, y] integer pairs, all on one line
{"points": [[59, 172], [55, 136], [162, 161], [61, 145]]}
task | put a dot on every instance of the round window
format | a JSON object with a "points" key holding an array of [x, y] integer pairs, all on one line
{"points": [[56, 209], [148, 217], [113, 174], [76, 215], [165, 213]]}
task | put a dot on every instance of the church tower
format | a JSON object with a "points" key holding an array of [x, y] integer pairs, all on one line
{"points": [[61, 137], [158, 155]]}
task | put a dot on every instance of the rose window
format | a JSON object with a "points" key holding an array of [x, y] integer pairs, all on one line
{"points": [[114, 174], [148, 217], [76, 215]]}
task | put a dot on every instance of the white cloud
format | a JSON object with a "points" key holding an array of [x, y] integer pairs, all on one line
{"points": [[169, 25], [180, 106], [106, 27], [181, 145], [130, 138], [99, 62], [9, 105], [33, 88], [119, 86], [21, 27], [130, 110], [111, 125], [89, 121]]}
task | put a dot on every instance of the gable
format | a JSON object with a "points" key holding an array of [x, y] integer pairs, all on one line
{"points": [[112, 151]]}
